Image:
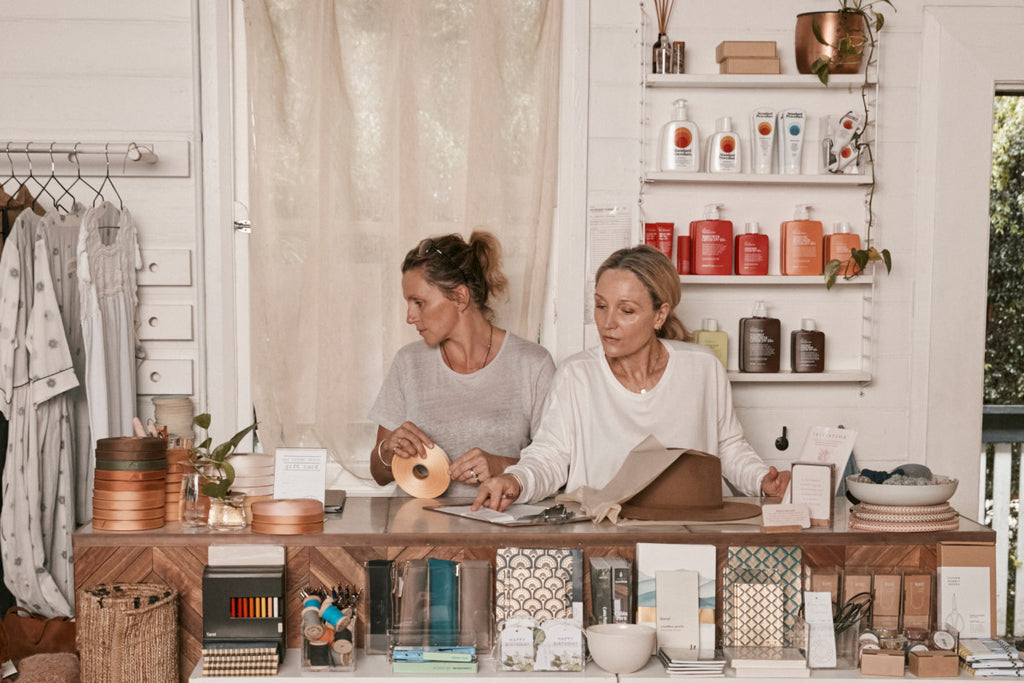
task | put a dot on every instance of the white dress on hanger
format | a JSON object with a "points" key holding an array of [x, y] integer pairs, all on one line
{"points": [[108, 256], [36, 372], [61, 234]]}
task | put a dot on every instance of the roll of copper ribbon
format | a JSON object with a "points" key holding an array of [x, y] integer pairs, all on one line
{"points": [[296, 520], [127, 515], [423, 477], [136, 525], [287, 529], [128, 495], [127, 475], [137, 443], [159, 465], [288, 507], [137, 486], [125, 505]]}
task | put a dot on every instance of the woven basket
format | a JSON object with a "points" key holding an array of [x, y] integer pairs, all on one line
{"points": [[128, 633]]}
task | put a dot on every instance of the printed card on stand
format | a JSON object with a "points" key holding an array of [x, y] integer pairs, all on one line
{"points": [[813, 485], [828, 445], [300, 473]]}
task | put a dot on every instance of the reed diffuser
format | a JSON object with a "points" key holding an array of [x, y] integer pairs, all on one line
{"points": [[662, 50]]}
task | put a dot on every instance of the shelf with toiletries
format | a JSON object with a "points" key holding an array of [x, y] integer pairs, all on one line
{"points": [[762, 280], [772, 179], [837, 82], [818, 377]]}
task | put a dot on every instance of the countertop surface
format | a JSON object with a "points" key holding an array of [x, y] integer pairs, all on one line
{"points": [[408, 522]]}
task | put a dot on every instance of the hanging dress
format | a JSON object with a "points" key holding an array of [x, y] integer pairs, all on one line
{"points": [[108, 256], [61, 234], [38, 515]]}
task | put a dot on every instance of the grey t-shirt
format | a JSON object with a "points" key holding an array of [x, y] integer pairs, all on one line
{"points": [[496, 408]]}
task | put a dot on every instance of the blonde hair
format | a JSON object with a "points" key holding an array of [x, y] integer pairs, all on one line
{"points": [[449, 261], [658, 276]]}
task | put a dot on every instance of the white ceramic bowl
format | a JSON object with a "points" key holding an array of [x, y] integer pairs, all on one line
{"points": [[894, 494], [621, 648]]}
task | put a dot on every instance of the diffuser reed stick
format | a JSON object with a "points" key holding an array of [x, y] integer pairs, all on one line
{"points": [[662, 50], [663, 8]]}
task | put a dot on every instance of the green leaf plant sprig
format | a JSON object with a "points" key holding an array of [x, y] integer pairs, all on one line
{"points": [[213, 463], [849, 45]]}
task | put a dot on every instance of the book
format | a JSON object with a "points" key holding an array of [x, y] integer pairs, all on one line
{"points": [[975, 649], [518, 570], [622, 589], [744, 561], [677, 611], [444, 598], [401, 667], [787, 658], [602, 610], [651, 557]]}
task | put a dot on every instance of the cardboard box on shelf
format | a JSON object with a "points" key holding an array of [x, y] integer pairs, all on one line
{"points": [[882, 663], [917, 601], [750, 65], [957, 575], [885, 607], [934, 664], [744, 48]]}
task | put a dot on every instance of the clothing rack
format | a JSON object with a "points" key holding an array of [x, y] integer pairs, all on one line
{"points": [[130, 151]]}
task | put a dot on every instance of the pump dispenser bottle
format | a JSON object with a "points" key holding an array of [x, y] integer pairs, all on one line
{"points": [[807, 348], [838, 246], [752, 251], [724, 148], [759, 342], [711, 241], [680, 142], [713, 338], [801, 240]]}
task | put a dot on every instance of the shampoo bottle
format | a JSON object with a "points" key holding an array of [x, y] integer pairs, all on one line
{"points": [[724, 148], [711, 241], [713, 338], [807, 348], [680, 142], [801, 240], [752, 251], [762, 123], [838, 246], [759, 342], [791, 140]]}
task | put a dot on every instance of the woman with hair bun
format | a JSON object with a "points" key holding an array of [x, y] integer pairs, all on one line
{"points": [[644, 379], [469, 386]]}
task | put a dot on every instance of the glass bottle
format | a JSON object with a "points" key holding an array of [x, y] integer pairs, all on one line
{"points": [[662, 55]]}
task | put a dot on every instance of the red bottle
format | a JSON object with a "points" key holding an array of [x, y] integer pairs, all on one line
{"points": [[711, 241], [752, 251]]}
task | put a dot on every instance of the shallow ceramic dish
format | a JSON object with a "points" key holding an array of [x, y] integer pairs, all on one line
{"points": [[894, 494], [621, 648]]}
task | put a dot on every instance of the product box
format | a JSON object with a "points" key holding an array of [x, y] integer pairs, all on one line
{"points": [[854, 584], [882, 663], [917, 601], [965, 588], [934, 664], [826, 583], [745, 48], [885, 606], [750, 65]]}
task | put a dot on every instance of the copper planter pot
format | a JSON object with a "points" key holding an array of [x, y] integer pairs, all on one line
{"points": [[834, 26]]}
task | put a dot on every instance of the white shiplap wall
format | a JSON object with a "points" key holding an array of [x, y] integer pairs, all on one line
{"points": [[117, 71]]}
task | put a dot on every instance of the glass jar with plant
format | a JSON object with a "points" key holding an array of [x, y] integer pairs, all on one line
{"points": [[846, 37], [212, 462]]}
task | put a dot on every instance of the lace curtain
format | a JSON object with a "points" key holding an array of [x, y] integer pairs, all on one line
{"points": [[375, 124]]}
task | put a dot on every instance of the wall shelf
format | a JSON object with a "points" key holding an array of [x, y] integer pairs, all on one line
{"points": [[754, 179], [781, 81], [761, 280], [797, 377]]}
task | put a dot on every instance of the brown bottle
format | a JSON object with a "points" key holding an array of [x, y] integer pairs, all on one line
{"points": [[807, 348], [759, 342]]}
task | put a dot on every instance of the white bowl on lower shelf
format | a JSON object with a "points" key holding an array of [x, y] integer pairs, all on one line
{"points": [[895, 494], [621, 648]]}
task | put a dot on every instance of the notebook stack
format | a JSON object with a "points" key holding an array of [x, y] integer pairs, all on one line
{"points": [[130, 484], [990, 657], [288, 516], [677, 663], [767, 662], [904, 518]]}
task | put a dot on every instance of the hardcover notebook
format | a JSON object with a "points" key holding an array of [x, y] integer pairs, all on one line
{"points": [[533, 582], [787, 561], [652, 557]]}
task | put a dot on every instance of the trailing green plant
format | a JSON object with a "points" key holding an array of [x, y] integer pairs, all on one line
{"points": [[213, 463], [850, 44]]}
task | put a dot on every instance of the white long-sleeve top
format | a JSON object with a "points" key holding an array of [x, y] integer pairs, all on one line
{"points": [[591, 422]]}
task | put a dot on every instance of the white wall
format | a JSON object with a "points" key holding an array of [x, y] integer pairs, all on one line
{"points": [[891, 413]]}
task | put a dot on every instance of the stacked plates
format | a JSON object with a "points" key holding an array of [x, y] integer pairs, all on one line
{"points": [[289, 516], [131, 480], [904, 518], [177, 465], [254, 476]]}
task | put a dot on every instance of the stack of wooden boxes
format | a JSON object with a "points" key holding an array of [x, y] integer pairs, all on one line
{"points": [[747, 57]]}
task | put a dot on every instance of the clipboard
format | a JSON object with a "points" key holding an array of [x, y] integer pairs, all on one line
{"points": [[516, 514]]}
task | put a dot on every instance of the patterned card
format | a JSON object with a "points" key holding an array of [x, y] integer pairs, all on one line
{"points": [[755, 610], [787, 561], [533, 582]]}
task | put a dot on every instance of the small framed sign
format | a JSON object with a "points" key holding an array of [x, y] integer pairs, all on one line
{"points": [[812, 485]]}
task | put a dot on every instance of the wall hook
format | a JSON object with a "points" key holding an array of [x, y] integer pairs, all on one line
{"points": [[782, 443]]}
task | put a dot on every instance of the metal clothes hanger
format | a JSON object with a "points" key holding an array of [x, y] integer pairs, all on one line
{"points": [[108, 180], [53, 178], [31, 176], [78, 178], [12, 176]]}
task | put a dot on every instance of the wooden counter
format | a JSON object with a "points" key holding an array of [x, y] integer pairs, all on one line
{"points": [[399, 529]]}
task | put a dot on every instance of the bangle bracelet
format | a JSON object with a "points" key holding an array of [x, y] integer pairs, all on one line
{"points": [[518, 481], [381, 457]]}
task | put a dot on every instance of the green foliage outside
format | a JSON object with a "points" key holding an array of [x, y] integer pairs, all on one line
{"points": [[1004, 334]]}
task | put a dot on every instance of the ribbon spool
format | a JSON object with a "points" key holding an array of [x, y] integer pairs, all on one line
{"points": [[423, 478]]}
